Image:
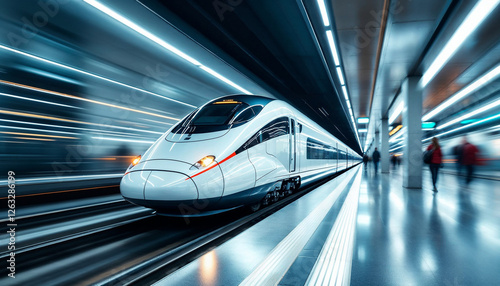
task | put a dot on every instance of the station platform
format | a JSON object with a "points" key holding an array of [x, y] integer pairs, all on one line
{"points": [[363, 228]]}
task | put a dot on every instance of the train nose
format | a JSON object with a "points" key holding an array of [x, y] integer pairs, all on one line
{"points": [[171, 186]]}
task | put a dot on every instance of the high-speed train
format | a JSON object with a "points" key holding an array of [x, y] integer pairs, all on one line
{"points": [[234, 151]]}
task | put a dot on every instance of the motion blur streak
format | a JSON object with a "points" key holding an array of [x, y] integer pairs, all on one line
{"points": [[38, 130], [30, 138], [85, 99], [124, 140], [43, 117], [92, 75], [66, 120], [39, 135], [80, 128], [37, 100], [65, 191]]}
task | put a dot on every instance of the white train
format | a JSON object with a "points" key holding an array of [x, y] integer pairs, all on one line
{"points": [[239, 150]]}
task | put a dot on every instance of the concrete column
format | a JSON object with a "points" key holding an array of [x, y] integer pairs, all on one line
{"points": [[412, 122], [384, 146]]}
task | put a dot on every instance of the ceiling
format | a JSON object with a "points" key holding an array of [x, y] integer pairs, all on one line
{"points": [[274, 48], [281, 44]]}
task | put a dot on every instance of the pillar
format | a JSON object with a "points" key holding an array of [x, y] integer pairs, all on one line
{"points": [[412, 122], [384, 146]]}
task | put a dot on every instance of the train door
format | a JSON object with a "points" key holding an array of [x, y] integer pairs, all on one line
{"points": [[293, 146]]}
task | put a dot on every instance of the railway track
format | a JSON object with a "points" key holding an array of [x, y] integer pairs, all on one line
{"points": [[116, 243]]}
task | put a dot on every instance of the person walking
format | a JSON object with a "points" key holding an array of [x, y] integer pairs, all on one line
{"points": [[365, 160], [376, 158], [458, 151], [394, 161], [469, 158], [436, 160]]}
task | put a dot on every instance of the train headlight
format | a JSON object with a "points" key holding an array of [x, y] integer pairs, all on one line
{"points": [[136, 160], [205, 161]]}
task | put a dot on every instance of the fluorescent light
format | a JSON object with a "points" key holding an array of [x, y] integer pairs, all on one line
{"points": [[427, 125], [364, 130], [346, 96], [341, 77], [363, 120], [161, 42], [141, 31], [476, 16], [91, 74], [488, 77], [396, 112], [324, 14], [222, 78], [333, 48], [470, 114]]}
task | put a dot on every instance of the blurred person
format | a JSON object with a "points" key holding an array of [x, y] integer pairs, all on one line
{"points": [[469, 158], [436, 161], [365, 160], [376, 158], [394, 161], [458, 152]]}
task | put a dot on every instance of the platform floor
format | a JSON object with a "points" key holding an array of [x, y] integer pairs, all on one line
{"points": [[374, 232]]}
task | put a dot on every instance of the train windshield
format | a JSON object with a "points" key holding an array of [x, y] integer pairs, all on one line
{"points": [[217, 116]]}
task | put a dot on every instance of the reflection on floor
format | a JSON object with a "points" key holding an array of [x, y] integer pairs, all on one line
{"points": [[417, 237], [374, 232]]}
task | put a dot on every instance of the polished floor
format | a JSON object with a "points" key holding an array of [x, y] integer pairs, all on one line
{"points": [[364, 228], [418, 237]]}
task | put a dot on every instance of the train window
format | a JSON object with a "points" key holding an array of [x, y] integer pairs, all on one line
{"points": [[319, 150], [275, 128], [247, 114]]}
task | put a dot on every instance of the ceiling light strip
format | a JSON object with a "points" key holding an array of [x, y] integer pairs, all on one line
{"points": [[333, 48], [324, 14], [161, 42], [476, 16], [341, 77]]}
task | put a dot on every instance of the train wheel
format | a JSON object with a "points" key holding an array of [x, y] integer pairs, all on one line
{"points": [[297, 183], [254, 207]]}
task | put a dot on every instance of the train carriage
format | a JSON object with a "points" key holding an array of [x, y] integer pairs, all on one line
{"points": [[239, 150]]}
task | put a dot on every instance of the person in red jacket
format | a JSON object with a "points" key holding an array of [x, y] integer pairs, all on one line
{"points": [[469, 158], [436, 160]]}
